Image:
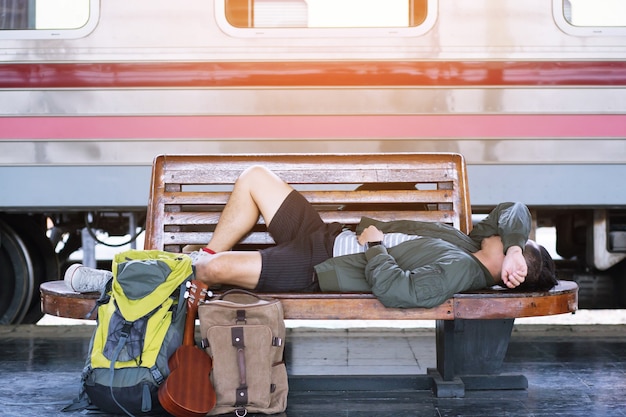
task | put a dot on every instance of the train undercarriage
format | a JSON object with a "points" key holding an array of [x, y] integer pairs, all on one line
{"points": [[35, 248]]}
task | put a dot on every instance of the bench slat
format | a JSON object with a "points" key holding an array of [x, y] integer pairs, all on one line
{"points": [[505, 304], [189, 218], [334, 197], [319, 168], [317, 176], [353, 308]]}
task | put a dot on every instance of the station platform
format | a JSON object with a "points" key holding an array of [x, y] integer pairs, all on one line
{"points": [[572, 371]]}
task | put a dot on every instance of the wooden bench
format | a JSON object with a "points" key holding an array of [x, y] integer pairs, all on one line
{"points": [[189, 192]]}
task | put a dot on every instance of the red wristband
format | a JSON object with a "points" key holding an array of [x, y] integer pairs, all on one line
{"points": [[207, 250]]}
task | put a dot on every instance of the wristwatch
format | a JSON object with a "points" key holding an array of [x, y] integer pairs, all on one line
{"points": [[372, 244]]}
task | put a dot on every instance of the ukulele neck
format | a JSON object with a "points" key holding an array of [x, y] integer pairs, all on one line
{"points": [[196, 293]]}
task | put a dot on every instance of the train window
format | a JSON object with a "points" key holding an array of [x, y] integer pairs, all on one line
{"points": [[40, 19], [325, 17], [591, 17]]}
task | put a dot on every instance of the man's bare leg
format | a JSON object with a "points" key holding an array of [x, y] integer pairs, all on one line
{"points": [[257, 191]]}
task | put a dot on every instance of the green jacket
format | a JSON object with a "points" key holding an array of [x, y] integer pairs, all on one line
{"points": [[426, 271]]}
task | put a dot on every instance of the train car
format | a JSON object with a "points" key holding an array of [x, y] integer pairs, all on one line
{"points": [[531, 92]]}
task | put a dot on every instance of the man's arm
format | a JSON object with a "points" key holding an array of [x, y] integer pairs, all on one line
{"points": [[511, 221], [514, 268], [426, 286]]}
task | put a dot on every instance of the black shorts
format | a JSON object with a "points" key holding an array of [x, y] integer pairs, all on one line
{"points": [[303, 240]]}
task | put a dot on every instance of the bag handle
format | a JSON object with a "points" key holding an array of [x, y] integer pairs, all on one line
{"points": [[239, 291]]}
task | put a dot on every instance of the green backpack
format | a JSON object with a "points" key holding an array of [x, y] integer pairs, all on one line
{"points": [[141, 317]]}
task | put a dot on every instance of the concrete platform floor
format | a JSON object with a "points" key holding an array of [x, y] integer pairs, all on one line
{"points": [[573, 371]]}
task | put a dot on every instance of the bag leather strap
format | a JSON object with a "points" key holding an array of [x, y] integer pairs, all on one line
{"points": [[238, 342]]}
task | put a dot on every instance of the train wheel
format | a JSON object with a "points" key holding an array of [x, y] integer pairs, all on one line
{"points": [[16, 276], [32, 230]]}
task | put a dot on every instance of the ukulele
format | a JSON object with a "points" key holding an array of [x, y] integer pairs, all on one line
{"points": [[187, 391]]}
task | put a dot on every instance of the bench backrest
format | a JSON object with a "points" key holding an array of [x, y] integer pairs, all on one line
{"points": [[188, 192]]}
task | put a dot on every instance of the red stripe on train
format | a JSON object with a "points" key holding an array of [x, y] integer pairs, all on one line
{"points": [[312, 74], [323, 127]]}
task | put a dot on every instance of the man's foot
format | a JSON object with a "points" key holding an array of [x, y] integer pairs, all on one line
{"points": [[81, 278]]}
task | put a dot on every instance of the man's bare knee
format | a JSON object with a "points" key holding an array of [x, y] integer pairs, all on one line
{"points": [[267, 190], [256, 176], [217, 268], [231, 268]]}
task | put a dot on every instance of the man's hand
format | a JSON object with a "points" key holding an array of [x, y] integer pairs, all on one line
{"points": [[514, 268], [370, 234]]}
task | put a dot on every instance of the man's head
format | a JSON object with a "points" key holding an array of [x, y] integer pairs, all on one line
{"points": [[541, 274]]}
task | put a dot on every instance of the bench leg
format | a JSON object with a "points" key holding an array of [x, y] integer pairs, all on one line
{"points": [[445, 382], [470, 354], [480, 346]]}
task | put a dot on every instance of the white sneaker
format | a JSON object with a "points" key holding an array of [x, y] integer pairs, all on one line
{"points": [[199, 255], [81, 278]]}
